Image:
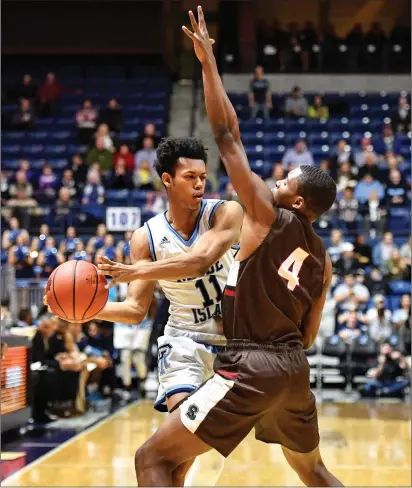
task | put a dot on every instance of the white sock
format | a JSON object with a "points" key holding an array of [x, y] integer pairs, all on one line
{"points": [[206, 469]]}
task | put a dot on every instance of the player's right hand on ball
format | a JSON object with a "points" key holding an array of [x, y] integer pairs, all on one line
{"points": [[45, 303]]}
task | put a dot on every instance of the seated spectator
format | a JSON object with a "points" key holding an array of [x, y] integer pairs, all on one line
{"points": [[125, 155], [297, 156], [24, 118], [21, 192], [406, 252], [148, 152], [6, 318], [10, 235], [391, 162], [336, 247], [123, 249], [38, 243], [260, 97], [112, 116], [373, 215], [363, 251], [101, 155], [366, 148], [388, 375], [396, 193], [341, 154], [86, 119], [230, 193], [47, 185], [296, 104], [397, 267], [148, 131], [79, 170], [120, 178], [382, 252], [69, 183], [278, 174], [350, 290], [378, 319], [326, 167], [97, 241], [374, 282], [351, 328], [25, 318], [93, 193], [49, 258], [28, 89], [401, 118], [365, 188], [346, 176], [80, 253], [318, 110], [49, 95], [145, 177], [4, 187], [64, 206], [388, 141], [19, 258], [401, 320], [108, 249], [68, 244], [103, 132], [348, 208], [370, 167], [24, 165], [347, 263]]}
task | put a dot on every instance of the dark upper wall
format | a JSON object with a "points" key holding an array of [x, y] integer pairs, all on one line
{"points": [[82, 26]]}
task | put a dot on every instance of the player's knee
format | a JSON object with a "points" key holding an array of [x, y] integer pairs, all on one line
{"points": [[148, 456]]}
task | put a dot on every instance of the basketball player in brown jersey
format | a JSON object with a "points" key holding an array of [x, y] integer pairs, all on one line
{"points": [[272, 310]]}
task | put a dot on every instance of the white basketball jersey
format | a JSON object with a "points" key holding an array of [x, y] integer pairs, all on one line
{"points": [[195, 303]]}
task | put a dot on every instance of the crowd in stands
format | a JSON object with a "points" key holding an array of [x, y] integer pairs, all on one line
{"points": [[307, 47]]}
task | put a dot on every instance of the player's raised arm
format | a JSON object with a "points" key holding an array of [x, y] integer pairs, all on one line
{"points": [[253, 192], [211, 246]]}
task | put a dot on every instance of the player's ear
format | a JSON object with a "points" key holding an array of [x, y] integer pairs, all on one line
{"points": [[298, 203], [167, 180]]}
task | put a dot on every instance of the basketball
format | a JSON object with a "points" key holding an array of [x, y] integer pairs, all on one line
{"points": [[76, 292]]}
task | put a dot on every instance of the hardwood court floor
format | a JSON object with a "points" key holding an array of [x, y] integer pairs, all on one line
{"points": [[363, 444]]}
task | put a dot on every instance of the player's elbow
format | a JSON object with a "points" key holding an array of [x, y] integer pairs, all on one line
{"points": [[222, 135]]}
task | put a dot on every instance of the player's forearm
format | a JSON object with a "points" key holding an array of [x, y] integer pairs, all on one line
{"points": [[192, 265], [221, 113], [122, 312]]}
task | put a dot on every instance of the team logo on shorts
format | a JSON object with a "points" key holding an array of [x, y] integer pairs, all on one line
{"points": [[192, 411]]}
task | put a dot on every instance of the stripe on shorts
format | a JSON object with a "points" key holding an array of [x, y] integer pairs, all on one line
{"points": [[195, 409]]}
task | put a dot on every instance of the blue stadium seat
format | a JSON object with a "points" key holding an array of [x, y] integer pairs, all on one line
{"points": [[400, 287]]}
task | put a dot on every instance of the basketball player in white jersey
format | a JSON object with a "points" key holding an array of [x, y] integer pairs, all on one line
{"points": [[188, 249]]}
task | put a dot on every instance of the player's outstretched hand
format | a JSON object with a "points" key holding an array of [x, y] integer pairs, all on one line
{"points": [[120, 273], [200, 36]]}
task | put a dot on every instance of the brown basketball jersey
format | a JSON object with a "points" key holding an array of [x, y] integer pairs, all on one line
{"points": [[268, 294]]}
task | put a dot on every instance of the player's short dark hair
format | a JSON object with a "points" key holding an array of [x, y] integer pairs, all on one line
{"points": [[317, 188], [172, 148]]}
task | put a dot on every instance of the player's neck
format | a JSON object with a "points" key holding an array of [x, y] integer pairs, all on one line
{"points": [[182, 219]]}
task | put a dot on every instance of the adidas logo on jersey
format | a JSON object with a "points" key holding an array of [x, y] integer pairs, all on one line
{"points": [[165, 240]]}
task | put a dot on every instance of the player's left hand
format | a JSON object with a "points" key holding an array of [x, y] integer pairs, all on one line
{"points": [[120, 273], [200, 36], [4, 348]]}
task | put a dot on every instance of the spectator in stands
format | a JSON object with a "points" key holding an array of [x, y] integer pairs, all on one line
{"points": [[366, 187], [351, 328], [10, 235], [382, 252], [318, 110], [120, 178], [112, 116], [347, 263], [97, 241], [4, 187], [388, 142], [373, 215], [79, 170], [64, 206], [103, 132], [19, 257], [21, 192], [397, 267], [297, 156], [396, 193], [24, 165], [351, 291], [25, 318], [278, 174], [346, 176], [370, 167], [80, 254], [401, 320], [401, 118], [385, 376], [148, 152], [49, 258], [406, 252], [363, 251], [145, 177], [348, 208], [93, 193], [230, 193], [6, 318], [68, 244], [125, 155], [378, 319], [24, 118], [108, 249], [391, 163], [123, 249], [296, 104], [341, 154], [374, 281], [325, 166], [47, 185], [69, 183], [260, 97], [148, 131], [86, 119], [366, 148], [28, 89], [49, 95], [38, 243], [336, 247], [101, 155]]}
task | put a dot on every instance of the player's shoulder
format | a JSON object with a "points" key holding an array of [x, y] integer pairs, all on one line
{"points": [[225, 210]]}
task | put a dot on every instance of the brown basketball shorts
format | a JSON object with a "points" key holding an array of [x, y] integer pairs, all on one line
{"points": [[264, 386]]}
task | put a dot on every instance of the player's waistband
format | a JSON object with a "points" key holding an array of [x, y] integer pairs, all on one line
{"points": [[244, 344]]}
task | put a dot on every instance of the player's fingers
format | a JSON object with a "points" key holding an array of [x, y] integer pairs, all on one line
{"points": [[188, 33], [45, 300], [201, 18], [105, 272], [49, 310], [212, 41], [195, 27], [111, 284]]}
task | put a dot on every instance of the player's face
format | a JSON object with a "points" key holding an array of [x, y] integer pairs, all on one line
{"points": [[187, 186], [286, 192]]}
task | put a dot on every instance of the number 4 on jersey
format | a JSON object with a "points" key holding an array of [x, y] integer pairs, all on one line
{"points": [[296, 260]]}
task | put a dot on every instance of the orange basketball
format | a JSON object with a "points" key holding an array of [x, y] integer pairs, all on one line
{"points": [[76, 292]]}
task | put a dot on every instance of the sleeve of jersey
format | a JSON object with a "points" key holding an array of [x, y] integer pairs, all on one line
{"points": [[213, 211], [151, 243]]}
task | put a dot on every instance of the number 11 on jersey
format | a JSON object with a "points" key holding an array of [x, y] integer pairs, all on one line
{"points": [[295, 259]]}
